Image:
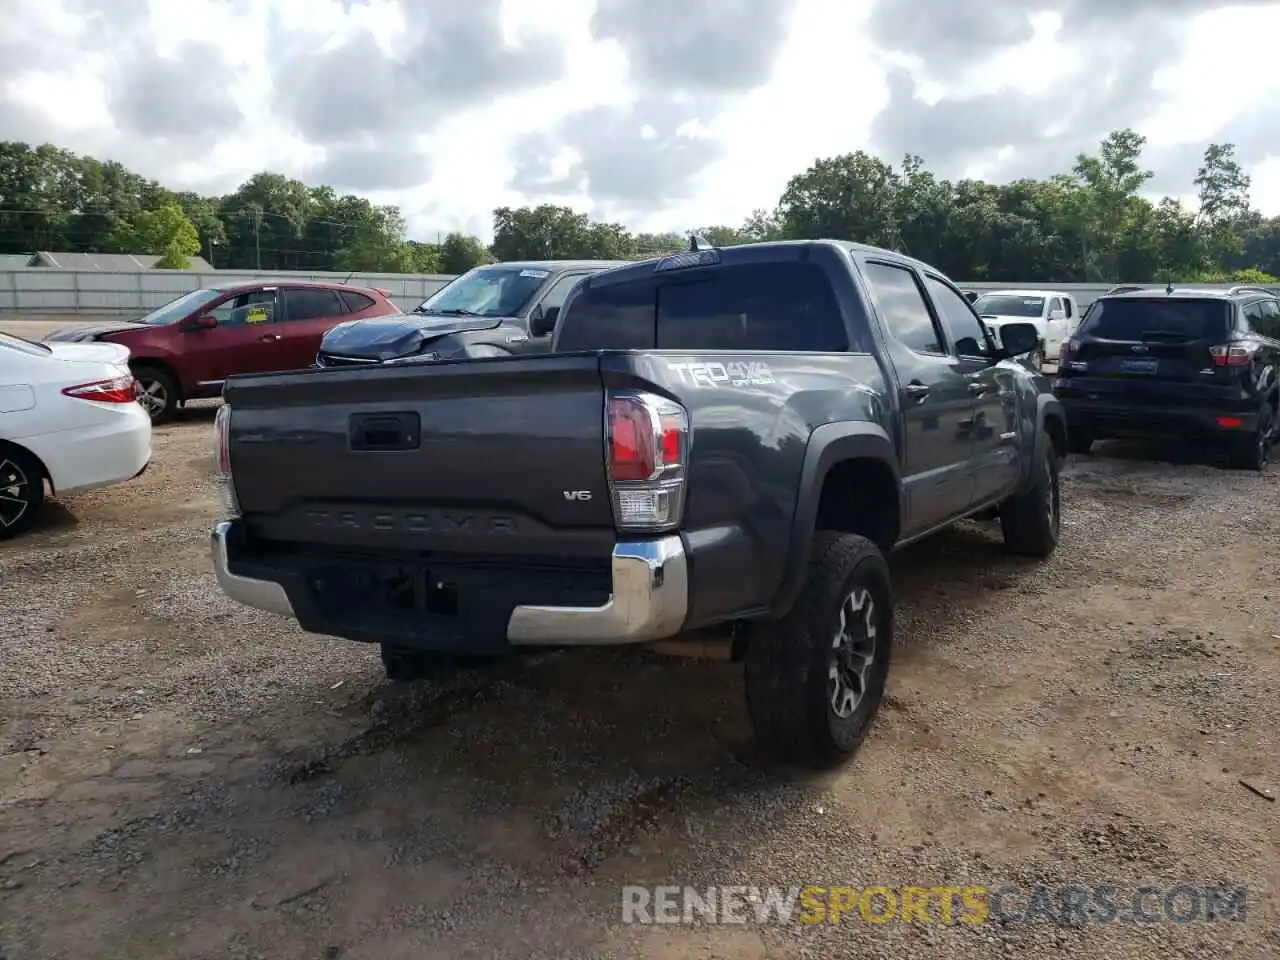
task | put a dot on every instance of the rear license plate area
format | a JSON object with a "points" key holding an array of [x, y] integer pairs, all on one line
{"points": [[1145, 365], [387, 589]]}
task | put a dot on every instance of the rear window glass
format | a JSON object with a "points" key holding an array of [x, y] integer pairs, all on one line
{"points": [[769, 306], [1139, 320], [617, 316], [22, 345]]}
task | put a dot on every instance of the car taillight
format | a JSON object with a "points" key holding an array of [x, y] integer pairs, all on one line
{"points": [[1070, 350], [647, 445], [1233, 354], [222, 443], [115, 390]]}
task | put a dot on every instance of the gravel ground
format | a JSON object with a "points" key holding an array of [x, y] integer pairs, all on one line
{"points": [[181, 777]]}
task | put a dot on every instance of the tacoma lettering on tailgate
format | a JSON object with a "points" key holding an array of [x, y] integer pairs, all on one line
{"points": [[433, 522]]}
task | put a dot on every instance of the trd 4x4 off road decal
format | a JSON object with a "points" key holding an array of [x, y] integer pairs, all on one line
{"points": [[729, 373]]}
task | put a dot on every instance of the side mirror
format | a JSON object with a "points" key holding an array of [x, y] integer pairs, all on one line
{"points": [[1017, 338], [1057, 314], [205, 321], [543, 321]]}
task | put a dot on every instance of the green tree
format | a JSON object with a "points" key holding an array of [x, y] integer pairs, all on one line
{"points": [[460, 252], [164, 232]]}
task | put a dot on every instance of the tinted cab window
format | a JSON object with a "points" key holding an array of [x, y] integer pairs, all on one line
{"points": [[766, 306], [776, 306]]}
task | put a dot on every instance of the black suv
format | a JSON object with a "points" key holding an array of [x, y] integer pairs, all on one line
{"points": [[1177, 363]]}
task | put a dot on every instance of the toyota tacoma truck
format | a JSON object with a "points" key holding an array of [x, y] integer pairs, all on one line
{"points": [[722, 441]]}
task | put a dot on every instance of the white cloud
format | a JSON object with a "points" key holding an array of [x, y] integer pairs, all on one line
{"points": [[826, 86]]}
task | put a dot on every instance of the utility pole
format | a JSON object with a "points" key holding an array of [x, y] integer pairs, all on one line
{"points": [[257, 239]]}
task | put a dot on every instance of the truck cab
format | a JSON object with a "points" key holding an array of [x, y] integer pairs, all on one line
{"points": [[1054, 313]]}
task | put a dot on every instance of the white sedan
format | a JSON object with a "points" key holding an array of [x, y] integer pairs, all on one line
{"points": [[68, 416]]}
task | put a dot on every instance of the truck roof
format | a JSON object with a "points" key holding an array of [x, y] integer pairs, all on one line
{"points": [[749, 252]]}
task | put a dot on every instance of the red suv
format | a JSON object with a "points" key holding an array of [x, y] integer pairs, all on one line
{"points": [[187, 348]]}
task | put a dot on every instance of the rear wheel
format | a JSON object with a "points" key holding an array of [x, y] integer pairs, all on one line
{"points": [[158, 393], [21, 491], [815, 679], [1036, 358], [1254, 451]]}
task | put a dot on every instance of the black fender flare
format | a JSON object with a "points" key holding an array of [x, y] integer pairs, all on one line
{"points": [[1048, 408], [829, 444]]}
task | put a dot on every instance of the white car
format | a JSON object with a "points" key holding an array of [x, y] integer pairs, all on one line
{"points": [[1054, 313], [69, 416]]}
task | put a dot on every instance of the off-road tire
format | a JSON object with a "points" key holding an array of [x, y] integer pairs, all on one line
{"points": [[787, 663], [1031, 519], [1254, 451], [145, 373], [23, 473]]}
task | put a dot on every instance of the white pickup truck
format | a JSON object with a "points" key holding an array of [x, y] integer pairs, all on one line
{"points": [[1054, 313]]}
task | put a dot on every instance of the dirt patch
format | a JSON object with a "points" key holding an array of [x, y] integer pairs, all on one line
{"points": [[182, 777]]}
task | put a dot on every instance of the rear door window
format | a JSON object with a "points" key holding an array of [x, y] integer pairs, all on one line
{"points": [[1163, 321], [767, 306], [303, 304]]}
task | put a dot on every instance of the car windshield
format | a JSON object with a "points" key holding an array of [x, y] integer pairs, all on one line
{"points": [[1008, 305], [486, 292], [1170, 320], [22, 345], [175, 310]]}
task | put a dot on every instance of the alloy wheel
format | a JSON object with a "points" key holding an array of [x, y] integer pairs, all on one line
{"points": [[15, 493], [152, 396], [852, 650]]}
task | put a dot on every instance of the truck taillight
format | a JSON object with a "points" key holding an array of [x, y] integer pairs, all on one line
{"points": [[647, 441], [222, 441], [115, 390], [1233, 354]]}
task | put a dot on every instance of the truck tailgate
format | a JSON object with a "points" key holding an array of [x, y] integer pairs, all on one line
{"points": [[477, 457]]}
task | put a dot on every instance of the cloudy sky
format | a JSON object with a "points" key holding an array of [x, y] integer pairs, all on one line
{"points": [[660, 113]]}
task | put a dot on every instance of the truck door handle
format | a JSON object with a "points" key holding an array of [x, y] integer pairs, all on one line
{"points": [[269, 337], [916, 390], [384, 431]]}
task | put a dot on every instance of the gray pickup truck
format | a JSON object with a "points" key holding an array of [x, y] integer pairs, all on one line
{"points": [[721, 441]]}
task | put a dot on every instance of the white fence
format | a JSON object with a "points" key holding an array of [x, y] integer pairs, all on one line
{"points": [[40, 291]]}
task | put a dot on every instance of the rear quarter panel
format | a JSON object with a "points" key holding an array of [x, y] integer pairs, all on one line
{"points": [[751, 417]]}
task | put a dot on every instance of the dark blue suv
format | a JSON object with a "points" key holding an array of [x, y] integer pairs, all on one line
{"points": [[1199, 364]]}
